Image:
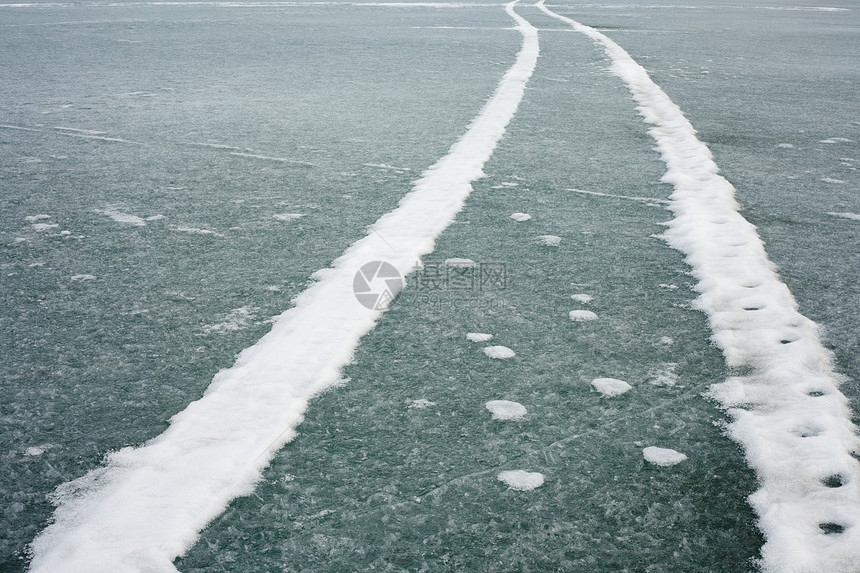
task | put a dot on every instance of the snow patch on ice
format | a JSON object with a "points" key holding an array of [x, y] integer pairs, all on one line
{"points": [[581, 315], [460, 263], [548, 240], [196, 231], [520, 217], [288, 216], [506, 410], [121, 217], [521, 480], [33, 451], [852, 216], [610, 386], [479, 336], [499, 352], [663, 456]]}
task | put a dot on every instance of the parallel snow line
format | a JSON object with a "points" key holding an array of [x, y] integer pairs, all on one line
{"points": [[146, 505], [786, 408]]}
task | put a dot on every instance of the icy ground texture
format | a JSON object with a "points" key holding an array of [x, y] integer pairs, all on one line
{"points": [[147, 505], [788, 413]]}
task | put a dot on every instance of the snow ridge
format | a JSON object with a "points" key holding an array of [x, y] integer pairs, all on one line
{"points": [[146, 505], [786, 408]]}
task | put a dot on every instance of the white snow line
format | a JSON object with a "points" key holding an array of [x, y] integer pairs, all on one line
{"points": [[146, 505], [787, 412]]}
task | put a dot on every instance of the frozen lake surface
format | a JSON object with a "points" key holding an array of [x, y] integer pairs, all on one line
{"points": [[546, 391]]}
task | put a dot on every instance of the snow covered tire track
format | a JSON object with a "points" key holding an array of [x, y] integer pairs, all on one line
{"points": [[787, 410], [146, 506]]}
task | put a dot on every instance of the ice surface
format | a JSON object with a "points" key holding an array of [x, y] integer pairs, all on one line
{"points": [[236, 319], [583, 298], [663, 456], [521, 480], [506, 410], [520, 217], [581, 315], [755, 322], [479, 336], [549, 240], [610, 386], [499, 352], [146, 505]]}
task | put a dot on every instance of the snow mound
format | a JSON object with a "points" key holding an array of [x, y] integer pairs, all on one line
{"points": [[506, 410], [499, 352], [548, 240], [479, 336], [521, 217], [581, 315], [663, 456], [583, 298], [521, 480], [610, 386]]}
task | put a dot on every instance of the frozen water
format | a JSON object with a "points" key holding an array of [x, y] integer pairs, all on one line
{"points": [[370, 479], [506, 410], [499, 352], [610, 386], [521, 480], [663, 456]]}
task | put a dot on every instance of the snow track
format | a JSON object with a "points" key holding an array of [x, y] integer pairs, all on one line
{"points": [[786, 408], [146, 505]]}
